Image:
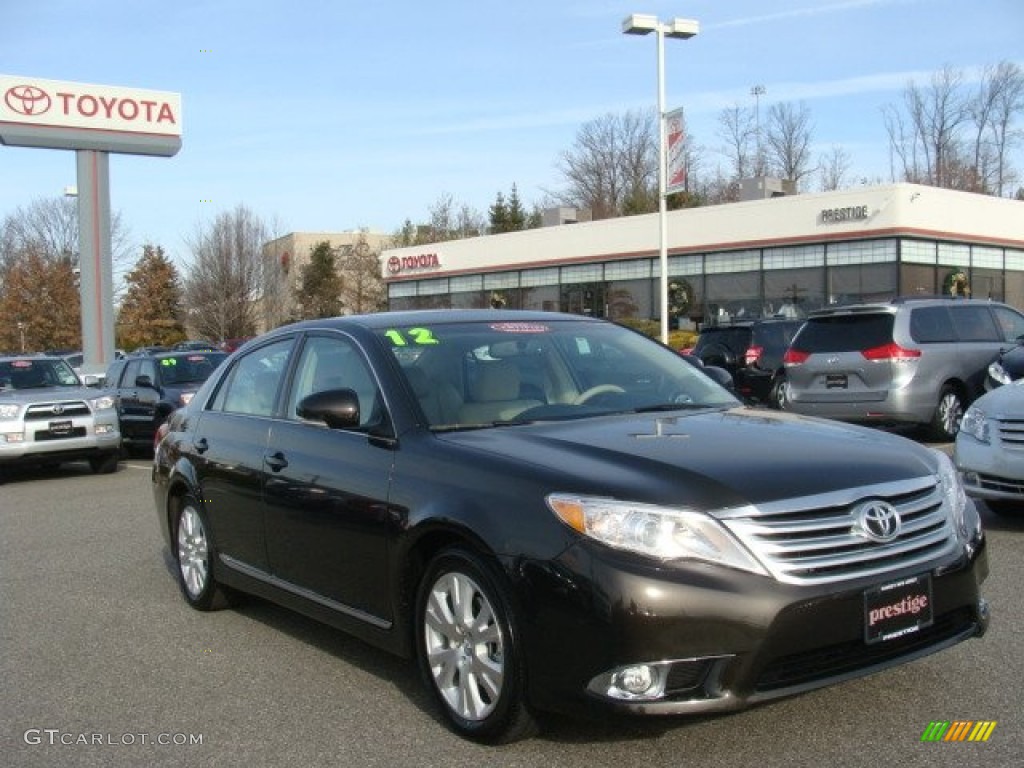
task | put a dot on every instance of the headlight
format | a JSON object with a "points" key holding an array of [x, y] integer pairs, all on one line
{"points": [[975, 424], [186, 397], [102, 403], [9, 410], [952, 491], [660, 532], [997, 373]]}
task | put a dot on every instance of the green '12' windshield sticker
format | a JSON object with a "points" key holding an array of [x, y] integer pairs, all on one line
{"points": [[411, 336]]}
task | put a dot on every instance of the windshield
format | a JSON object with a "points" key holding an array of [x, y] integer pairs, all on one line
{"points": [[35, 373], [191, 368], [483, 373]]}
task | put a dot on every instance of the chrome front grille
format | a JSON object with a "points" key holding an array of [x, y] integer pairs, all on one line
{"points": [[1011, 433], [816, 539], [61, 409]]}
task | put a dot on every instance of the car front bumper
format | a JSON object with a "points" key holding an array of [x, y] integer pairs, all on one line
{"points": [[87, 437], [721, 639], [990, 470]]}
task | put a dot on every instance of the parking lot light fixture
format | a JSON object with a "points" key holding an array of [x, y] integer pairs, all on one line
{"points": [[681, 29]]}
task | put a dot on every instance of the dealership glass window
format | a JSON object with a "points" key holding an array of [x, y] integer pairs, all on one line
{"points": [[861, 282], [543, 297], [582, 273], [629, 298], [499, 280], [954, 254], [983, 256], [401, 290], [917, 251], [433, 287], [530, 278], [735, 261], [733, 296], [1014, 259], [1013, 289], [628, 270], [402, 303], [583, 299], [469, 300], [465, 283], [505, 298], [793, 292], [794, 257], [917, 280], [987, 284], [860, 252], [693, 264]]}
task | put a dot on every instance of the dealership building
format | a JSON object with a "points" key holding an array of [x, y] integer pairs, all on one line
{"points": [[782, 255]]}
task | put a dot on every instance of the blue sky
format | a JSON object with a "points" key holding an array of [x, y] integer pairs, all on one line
{"points": [[326, 116]]}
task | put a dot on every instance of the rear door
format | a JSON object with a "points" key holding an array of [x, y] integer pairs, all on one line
{"points": [[843, 358], [980, 340]]}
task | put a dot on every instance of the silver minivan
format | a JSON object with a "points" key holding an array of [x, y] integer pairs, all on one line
{"points": [[908, 361]]}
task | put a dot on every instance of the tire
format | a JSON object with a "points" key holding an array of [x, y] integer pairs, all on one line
{"points": [[467, 646], [105, 464], [779, 395], [194, 555], [948, 413]]}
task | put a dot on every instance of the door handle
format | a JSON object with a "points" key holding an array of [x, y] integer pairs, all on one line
{"points": [[201, 445], [276, 461]]}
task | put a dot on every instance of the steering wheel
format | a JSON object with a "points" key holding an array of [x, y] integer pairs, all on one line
{"points": [[600, 389]]}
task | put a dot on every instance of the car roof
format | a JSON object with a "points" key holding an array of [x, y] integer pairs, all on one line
{"points": [[437, 316], [895, 304]]}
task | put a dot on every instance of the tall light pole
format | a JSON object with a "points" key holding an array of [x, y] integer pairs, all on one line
{"points": [[683, 29], [757, 92]]}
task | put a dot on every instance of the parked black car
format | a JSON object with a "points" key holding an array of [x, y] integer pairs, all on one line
{"points": [[752, 352], [553, 512], [147, 389]]}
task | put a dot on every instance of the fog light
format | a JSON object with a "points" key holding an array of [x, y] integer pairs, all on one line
{"points": [[13, 437], [635, 680], [971, 478], [104, 429]]}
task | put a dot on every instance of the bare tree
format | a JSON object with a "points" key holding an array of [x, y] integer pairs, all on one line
{"points": [[787, 139], [612, 165], [223, 283], [737, 128], [832, 168], [48, 227], [999, 100], [363, 290]]}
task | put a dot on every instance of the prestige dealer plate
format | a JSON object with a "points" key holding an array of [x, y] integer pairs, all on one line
{"points": [[898, 608]]}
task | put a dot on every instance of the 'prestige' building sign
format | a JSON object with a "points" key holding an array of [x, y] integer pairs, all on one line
{"points": [[837, 215]]}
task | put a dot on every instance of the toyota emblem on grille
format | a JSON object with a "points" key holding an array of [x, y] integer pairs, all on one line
{"points": [[832, 360], [57, 409], [27, 100], [877, 520]]}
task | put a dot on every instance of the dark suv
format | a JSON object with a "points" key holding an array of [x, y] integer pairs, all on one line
{"points": [[148, 389], [752, 352], [908, 361]]}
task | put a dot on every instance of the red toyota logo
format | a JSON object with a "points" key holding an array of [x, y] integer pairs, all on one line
{"points": [[394, 264], [27, 100]]}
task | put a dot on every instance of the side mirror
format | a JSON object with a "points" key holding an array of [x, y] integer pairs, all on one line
{"points": [[337, 408], [144, 380], [92, 379]]}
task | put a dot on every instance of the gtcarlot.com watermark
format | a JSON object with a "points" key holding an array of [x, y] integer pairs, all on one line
{"points": [[58, 737]]}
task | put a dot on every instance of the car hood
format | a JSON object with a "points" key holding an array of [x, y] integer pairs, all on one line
{"points": [[712, 459], [1006, 402], [48, 394]]}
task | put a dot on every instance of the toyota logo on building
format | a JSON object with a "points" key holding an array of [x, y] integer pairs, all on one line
{"points": [[27, 100], [877, 520]]}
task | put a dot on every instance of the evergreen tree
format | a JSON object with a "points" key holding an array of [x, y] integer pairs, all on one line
{"points": [[498, 215], [319, 294], [152, 310], [515, 214]]}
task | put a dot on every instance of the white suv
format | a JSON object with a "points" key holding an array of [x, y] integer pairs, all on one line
{"points": [[47, 416], [909, 361]]}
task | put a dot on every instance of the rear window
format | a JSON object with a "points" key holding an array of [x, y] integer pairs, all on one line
{"points": [[845, 333], [775, 335], [736, 339]]}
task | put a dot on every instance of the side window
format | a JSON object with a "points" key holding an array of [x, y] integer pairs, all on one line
{"points": [[975, 323], [1011, 324], [334, 362], [252, 385], [113, 378], [930, 325], [149, 369], [130, 373]]}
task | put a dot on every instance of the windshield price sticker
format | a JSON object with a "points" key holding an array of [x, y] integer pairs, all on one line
{"points": [[411, 336], [520, 328], [169, 361], [897, 609]]}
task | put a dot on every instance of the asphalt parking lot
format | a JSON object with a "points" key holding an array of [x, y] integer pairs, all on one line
{"points": [[103, 664]]}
